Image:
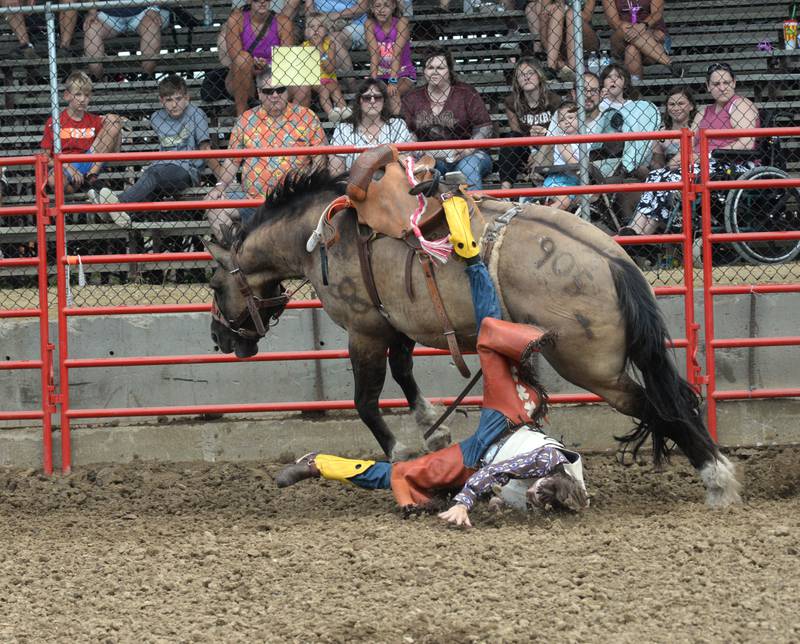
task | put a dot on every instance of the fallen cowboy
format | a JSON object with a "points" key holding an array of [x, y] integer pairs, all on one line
{"points": [[508, 455], [524, 468]]}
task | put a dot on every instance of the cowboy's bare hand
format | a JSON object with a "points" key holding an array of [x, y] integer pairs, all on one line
{"points": [[458, 515]]}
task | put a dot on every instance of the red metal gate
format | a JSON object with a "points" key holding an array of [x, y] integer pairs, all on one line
{"points": [[45, 362], [65, 310], [710, 291]]}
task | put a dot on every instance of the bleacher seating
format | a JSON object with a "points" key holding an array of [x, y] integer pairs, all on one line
{"points": [[702, 31]]}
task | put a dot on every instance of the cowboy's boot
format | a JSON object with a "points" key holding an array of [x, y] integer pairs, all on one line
{"points": [[456, 212], [300, 470]]}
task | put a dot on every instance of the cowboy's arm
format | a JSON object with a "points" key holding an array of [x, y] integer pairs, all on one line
{"points": [[528, 465]]}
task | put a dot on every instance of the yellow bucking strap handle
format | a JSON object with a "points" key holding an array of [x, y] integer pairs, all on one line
{"points": [[456, 212]]}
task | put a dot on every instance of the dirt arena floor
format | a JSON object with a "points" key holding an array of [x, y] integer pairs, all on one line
{"points": [[199, 552]]}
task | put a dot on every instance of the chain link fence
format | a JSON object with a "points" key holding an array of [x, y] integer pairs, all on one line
{"points": [[195, 75]]}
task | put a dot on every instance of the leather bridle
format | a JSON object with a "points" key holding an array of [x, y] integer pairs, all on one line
{"points": [[255, 305]]}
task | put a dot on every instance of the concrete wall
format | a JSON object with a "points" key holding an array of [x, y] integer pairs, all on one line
{"points": [[265, 435]]}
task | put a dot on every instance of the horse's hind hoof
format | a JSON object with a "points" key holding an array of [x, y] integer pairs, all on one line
{"points": [[439, 440]]}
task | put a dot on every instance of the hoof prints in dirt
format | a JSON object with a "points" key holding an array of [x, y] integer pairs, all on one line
{"points": [[203, 552]]}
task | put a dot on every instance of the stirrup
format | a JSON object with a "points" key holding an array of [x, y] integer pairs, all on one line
{"points": [[454, 178]]}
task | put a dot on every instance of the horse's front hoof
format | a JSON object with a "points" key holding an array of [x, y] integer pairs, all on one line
{"points": [[401, 453], [439, 440]]}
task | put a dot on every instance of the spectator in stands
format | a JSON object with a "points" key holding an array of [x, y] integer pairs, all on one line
{"points": [[81, 132], [250, 35], [529, 109], [100, 25], [67, 20], [346, 19], [639, 34], [564, 154], [728, 111], [276, 123], [286, 7], [680, 112], [616, 87], [328, 91], [388, 36], [371, 124], [624, 112], [594, 122], [445, 108], [180, 126], [553, 21]]}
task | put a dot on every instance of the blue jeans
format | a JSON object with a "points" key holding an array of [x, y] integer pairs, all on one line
{"points": [[484, 295], [377, 477], [475, 167], [490, 428], [492, 423]]}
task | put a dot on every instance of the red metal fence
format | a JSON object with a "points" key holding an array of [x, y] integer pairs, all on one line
{"points": [[45, 361], [706, 186], [52, 399]]}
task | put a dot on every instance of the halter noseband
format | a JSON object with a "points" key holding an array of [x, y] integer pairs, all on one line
{"points": [[254, 306]]}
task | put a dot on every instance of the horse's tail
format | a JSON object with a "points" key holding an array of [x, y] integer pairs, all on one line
{"points": [[669, 408]]}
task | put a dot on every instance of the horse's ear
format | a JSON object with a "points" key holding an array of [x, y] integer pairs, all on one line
{"points": [[219, 253]]}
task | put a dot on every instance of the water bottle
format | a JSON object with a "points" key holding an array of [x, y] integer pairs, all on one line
{"points": [[605, 60], [208, 14], [593, 64], [790, 29]]}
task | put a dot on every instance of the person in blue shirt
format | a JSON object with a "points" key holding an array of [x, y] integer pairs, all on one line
{"points": [[180, 126]]}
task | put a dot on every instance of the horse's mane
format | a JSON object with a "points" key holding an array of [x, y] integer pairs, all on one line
{"points": [[289, 199]]}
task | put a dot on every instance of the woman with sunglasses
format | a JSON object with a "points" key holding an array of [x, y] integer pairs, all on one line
{"points": [[370, 125], [728, 111], [445, 109]]}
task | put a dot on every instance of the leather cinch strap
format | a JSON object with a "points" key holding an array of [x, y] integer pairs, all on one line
{"points": [[438, 305], [364, 246]]}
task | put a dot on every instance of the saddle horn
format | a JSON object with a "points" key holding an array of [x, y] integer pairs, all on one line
{"points": [[365, 166]]}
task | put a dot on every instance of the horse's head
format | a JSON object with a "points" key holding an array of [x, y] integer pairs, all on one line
{"points": [[243, 306]]}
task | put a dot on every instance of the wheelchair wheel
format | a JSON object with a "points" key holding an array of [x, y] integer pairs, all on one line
{"points": [[764, 210]]}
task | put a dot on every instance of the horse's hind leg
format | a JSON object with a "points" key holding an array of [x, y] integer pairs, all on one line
{"points": [[686, 430], [401, 363], [368, 357]]}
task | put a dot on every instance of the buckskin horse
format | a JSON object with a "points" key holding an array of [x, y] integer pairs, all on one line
{"points": [[552, 269]]}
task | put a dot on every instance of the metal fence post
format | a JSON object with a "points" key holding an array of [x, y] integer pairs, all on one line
{"points": [[52, 66], [583, 148]]}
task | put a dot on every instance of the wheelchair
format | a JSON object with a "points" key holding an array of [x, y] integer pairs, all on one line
{"points": [[742, 210]]}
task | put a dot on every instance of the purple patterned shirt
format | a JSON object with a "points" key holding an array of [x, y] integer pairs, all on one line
{"points": [[529, 465]]}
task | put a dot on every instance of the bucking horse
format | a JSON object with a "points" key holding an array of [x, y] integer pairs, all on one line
{"points": [[551, 268]]}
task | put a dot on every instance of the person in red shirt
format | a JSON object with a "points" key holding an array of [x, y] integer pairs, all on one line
{"points": [[81, 132]]}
